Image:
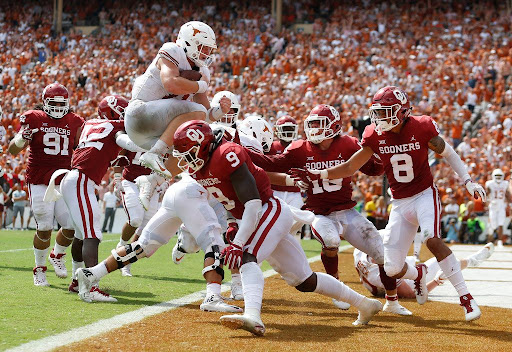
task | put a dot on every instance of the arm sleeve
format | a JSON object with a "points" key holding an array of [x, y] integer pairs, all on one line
{"points": [[125, 142]]}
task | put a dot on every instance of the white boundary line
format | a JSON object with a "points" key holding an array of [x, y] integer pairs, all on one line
{"points": [[105, 325]]}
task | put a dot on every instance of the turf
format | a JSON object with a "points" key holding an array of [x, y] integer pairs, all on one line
{"points": [[29, 313]]}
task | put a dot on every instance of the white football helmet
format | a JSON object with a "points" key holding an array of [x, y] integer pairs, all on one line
{"points": [[498, 175], [259, 128], [227, 119], [198, 41]]}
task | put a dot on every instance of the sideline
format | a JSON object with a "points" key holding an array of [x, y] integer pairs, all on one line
{"points": [[105, 325]]}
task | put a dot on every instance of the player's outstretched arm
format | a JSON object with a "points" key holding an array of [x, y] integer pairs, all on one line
{"points": [[438, 145], [21, 140]]}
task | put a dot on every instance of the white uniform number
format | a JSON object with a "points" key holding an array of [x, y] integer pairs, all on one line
{"points": [[327, 185], [52, 142], [233, 159], [217, 194], [90, 139], [402, 167]]}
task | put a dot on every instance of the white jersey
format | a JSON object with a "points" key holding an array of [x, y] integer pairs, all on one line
{"points": [[368, 273], [149, 87], [497, 192], [245, 140]]}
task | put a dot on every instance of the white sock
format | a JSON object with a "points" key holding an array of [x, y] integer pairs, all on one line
{"points": [[99, 270], [252, 283], [212, 288], [122, 242], [328, 286], [472, 261], [411, 273], [236, 279], [417, 244], [40, 255], [58, 249], [451, 269], [74, 267], [159, 148]]}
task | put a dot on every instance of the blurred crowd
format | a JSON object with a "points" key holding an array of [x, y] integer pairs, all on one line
{"points": [[454, 58]]}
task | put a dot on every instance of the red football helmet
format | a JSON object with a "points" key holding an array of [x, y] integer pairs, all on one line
{"points": [[390, 107], [287, 129], [112, 107], [193, 142], [55, 100], [323, 122]]}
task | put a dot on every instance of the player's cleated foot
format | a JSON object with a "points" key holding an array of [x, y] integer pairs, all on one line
{"points": [[85, 280], [471, 309], [97, 295], [73, 286], [500, 244], [154, 162], [40, 276], [395, 308], [340, 304], [420, 284], [236, 321], [146, 186], [237, 292], [368, 308], [126, 270], [485, 253], [216, 303], [177, 253], [59, 264]]}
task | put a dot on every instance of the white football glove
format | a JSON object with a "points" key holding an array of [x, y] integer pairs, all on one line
{"points": [[118, 186], [476, 190]]}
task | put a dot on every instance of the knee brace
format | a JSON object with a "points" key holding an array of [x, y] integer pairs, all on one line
{"points": [[215, 254], [134, 251]]}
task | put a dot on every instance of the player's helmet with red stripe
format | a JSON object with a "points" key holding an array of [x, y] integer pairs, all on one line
{"points": [[55, 100], [112, 107], [323, 122], [287, 128], [390, 106], [193, 142]]}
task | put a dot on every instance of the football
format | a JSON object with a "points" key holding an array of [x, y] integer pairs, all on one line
{"points": [[191, 75]]}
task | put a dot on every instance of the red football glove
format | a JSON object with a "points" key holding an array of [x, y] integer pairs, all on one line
{"points": [[305, 175], [28, 132], [232, 256], [231, 232]]}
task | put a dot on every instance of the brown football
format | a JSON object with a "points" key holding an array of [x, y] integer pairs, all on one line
{"points": [[191, 75]]}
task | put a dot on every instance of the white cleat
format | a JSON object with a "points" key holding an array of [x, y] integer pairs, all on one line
{"points": [[58, 263], [125, 270], [177, 254], [216, 303], [500, 244], [369, 307], [85, 280], [253, 325], [485, 253], [471, 309], [146, 189], [154, 162], [97, 295], [340, 304], [395, 308], [237, 292], [40, 276], [420, 284]]}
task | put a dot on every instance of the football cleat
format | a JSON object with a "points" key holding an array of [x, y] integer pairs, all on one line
{"points": [[471, 309], [125, 270], [368, 308], [58, 263], [395, 308], [420, 284], [236, 321], [237, 292], [484, 253], [85, 280], [97, 295], [177, 253], [500, 244], [154, 162], [215, 303], [40, 276], [146, 190], [340, 304], [73, 287]]}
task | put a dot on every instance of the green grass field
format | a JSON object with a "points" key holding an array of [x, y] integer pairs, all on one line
{"points": [[29, 313]]}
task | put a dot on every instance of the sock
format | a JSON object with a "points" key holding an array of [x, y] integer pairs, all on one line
{"points": [[74, 267], [472, 261], [411, 273], [330, 265], [451, 269], [328, 286], [58, 249], [252, 284], [392, 298], [99, 270], [236, 279], [159, 148], [40, 255], [388, 282], [212, 288], [122, 242], [417, 244]]}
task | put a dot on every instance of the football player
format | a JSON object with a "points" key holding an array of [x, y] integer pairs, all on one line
{"points": [[52, 132], [402, 141], [497, 190], [331, 200], [228, 120]]}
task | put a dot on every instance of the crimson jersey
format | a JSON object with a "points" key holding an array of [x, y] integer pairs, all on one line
{"points": [[278, 148], [215, 176], [405, 154], [135, 169], [97, 147], [325, 196], [52, 146]]}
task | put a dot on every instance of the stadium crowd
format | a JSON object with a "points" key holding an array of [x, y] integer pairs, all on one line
{"points": [[454, 59]]}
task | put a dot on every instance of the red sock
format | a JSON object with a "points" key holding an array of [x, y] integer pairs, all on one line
{"points": [[330, 265]]}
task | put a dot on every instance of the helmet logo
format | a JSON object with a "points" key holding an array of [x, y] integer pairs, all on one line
{"points": [[111, 101], [196, 31], [195, 135], [400, 96]]}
